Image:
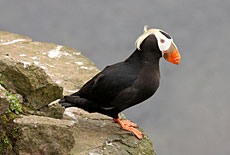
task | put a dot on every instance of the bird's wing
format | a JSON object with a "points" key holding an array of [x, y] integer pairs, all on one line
{"points": [[107, 84]]}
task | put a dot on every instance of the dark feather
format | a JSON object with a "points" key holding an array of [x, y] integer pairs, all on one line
{"points": [[121, 85]]}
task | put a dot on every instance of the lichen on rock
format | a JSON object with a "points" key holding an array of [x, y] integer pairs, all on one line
{"points": [[8, 133]]}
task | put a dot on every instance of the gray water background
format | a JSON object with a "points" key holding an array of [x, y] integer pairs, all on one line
{"points": [[189, 114]]}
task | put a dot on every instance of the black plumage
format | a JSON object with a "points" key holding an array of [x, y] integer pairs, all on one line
{"points": [[121, 85], [127, 83]]}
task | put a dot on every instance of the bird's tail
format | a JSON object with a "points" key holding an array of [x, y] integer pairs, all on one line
{"points": [[75, 101], [66, 104]]}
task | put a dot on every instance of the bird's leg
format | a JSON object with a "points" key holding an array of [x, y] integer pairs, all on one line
{"points": [[128, 125]]}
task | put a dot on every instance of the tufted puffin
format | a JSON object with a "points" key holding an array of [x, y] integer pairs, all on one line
{"points": [[125, 84]]}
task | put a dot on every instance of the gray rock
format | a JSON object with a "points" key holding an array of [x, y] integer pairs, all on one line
{"points": [[42, 135], [98, 134], [30, 81]]}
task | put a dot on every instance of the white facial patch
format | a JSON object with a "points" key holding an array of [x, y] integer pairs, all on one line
{"points": [[163, 42]]}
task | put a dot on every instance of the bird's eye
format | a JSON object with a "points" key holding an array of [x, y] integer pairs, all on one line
{"points": [[162, 40]]}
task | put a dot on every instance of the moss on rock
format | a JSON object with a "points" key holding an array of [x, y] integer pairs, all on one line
{"points": [[8, 133], [4, 101]]}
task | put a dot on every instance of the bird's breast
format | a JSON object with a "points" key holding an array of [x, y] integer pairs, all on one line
{"points": [[147, 82]]}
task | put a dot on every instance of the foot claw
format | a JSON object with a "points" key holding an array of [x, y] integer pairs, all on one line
{"points": [[125, 123], [128, 125], [137, 133]]}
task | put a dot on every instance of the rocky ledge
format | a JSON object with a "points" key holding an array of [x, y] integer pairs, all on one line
{"points": [[33, 75]]}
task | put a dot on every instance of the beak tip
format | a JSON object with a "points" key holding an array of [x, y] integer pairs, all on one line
{"points": [[177, 63], [173, 57]]}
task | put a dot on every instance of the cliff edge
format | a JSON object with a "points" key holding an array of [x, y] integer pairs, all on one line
{"points": [[33, 76]]}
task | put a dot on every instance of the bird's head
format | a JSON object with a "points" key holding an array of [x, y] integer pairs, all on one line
{"points": [[161, 41]]}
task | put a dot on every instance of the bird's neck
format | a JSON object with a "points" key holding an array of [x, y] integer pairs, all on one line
{"points": [[144, 57]]}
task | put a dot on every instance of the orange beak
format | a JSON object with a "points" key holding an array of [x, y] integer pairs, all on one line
{"points": [[172, 55]]}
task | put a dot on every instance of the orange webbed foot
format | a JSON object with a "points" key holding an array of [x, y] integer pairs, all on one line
{"points": [[125, 123], [128, 125]]}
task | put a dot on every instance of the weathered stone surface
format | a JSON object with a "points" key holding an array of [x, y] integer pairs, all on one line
{"points": [[65, 66], [43, 135], [7, 38], [30, 81], [105, 136], [4, 101], [53, 110]]}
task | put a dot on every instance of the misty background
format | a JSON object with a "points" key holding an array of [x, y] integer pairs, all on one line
{"points": [[189, 114]]}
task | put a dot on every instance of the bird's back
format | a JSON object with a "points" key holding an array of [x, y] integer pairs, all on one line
{"points": [[122, 85], [107, 84]]}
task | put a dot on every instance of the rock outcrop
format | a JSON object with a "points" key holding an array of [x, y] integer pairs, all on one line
{"points": [[44, 135], [30, 81], [34, 74], [4, 101]]}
